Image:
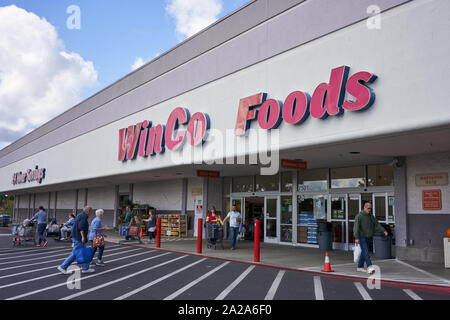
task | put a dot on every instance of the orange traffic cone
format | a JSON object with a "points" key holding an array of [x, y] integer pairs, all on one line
{"points": [[327, 265], [141, 234]]}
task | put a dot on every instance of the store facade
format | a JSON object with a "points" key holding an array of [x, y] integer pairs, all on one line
{"points": [[363, 108]]}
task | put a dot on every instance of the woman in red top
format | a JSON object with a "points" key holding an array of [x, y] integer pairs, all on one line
{"points": [[211, 218]]}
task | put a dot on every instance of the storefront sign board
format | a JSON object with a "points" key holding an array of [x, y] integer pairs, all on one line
{"points": [[432, 179], [432, 199]]}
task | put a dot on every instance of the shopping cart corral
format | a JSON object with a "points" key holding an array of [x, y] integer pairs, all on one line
{"points": [[214, 235], [23, 233]]}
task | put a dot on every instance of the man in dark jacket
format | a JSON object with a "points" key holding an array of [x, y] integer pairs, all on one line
{"points": [[363, 229], [80, 233]]}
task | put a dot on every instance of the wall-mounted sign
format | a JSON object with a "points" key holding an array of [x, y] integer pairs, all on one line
{"points": [[293, 164], [197, 191], [30, 176], [431, 200], [432, 179], [144, 139], [328, 100], [208, 174]]}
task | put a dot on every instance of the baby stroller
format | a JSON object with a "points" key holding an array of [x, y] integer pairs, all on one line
{"points": [[214, 234], [24, 233]]}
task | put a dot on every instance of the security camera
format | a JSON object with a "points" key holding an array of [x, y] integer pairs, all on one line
{"points": [[395, 163]]}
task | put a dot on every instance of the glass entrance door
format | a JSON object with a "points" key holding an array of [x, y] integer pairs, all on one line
{"points": [[339, 221], [271, 217]]}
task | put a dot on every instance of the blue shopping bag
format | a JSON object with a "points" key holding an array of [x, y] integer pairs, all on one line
{"points": [[83, 254]]}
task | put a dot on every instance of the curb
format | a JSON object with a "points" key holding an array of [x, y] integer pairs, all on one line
{"points": [[390, 283]]}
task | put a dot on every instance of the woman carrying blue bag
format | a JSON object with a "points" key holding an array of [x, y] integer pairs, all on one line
{"points": [[80, 252]]}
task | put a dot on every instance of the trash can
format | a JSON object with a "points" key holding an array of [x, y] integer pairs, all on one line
{"points": [[325, 240], [382, 246], [323, 225]]}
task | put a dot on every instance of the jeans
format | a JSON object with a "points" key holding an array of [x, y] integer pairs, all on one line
{"points": [[65, 231], [365, 256], [233, 235], [76, 245], [41, 229], [100, 251]]}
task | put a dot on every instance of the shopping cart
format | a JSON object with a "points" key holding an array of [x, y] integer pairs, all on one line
{"points": [[132, 232], [23, 233], [214, 235]]}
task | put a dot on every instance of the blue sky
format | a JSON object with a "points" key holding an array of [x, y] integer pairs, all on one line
{"points": [[113, 33], [47, 68]]}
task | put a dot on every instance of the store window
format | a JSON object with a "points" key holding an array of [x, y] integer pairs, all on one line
{"points": [[312, 180], [351, 177], [310, 209], [243, 184], [226, 186], [380, 175], [267, 183], [286, 181]]}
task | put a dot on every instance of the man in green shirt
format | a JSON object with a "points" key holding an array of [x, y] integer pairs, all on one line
{"points": [[128, 216], [363, 229]]}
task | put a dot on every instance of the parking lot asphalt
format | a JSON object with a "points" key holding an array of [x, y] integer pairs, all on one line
{"points": [[134, 273]]}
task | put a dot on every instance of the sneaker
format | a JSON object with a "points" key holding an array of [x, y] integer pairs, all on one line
{"points": [[63, 271], [38, 245], [45, 244], [90, 270], [370, 270], [361, 269], [100, 263], [232, 248]]}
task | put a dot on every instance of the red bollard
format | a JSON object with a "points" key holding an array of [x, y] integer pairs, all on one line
{"points": [[199, 235], [158, 233], [257, 235]]}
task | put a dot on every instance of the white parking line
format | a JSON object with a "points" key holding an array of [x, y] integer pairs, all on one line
{"points": [[193, 283], [318, 288], [362, 291], [58, 273], [32, 249], [35, 254], [276, 283], [36, 263], [148, 285], [123, 278], [54, 266], [412, 294], [225, 292], [91, 276], [50, 255]]}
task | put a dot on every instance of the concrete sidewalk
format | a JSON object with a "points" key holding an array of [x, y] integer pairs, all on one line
{"points": [[308, 260]]}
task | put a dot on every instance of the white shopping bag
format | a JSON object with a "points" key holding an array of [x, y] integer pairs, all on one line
{"points": [[356, 253]]}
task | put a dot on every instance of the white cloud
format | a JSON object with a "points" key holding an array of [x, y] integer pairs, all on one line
{"points": [[191, 16], [38, 78], [139, 62]]}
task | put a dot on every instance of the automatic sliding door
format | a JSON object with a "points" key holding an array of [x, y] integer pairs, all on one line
{"points": [[271, 230]]}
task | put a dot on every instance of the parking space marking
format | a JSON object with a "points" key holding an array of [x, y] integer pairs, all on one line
{"points": [[238, 280], [362, 291], [35, 254], [276, 283], [91, 276], [148, 285], [412, 294], [54, 266], [57, 273], [193, 283], [36, 263], [318, 288], [51, 255], [123, 278], [32, 249]]}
